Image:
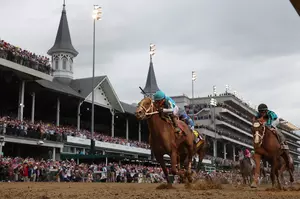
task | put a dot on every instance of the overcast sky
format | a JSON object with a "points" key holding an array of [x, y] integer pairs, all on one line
{"points": [[251, 45]]}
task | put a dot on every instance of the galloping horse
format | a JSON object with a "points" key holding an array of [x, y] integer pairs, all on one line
{"points": [[163, 140], [246, 168], [266, 144]]}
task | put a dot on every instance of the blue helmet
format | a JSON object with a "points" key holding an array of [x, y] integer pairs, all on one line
{"points": [[159, 95]]}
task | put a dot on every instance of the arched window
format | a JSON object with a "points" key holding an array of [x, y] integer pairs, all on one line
{"points": [[64, 61], [56, 63]]}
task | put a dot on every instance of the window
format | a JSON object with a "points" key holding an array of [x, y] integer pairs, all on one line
{"points": [[64, 63], [56, 64], [71, 66]]}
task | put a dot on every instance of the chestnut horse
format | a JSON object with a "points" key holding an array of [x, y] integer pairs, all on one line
{"points": [[266, 144], [163, 139]]}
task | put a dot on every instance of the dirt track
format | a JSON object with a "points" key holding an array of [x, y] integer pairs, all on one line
{"points": [[132, 191]]}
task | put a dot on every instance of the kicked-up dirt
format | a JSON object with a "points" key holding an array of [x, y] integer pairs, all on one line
{"points": [[137, 191]]}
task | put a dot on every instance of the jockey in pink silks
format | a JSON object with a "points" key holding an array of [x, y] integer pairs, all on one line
{"points": [[247, 153]]}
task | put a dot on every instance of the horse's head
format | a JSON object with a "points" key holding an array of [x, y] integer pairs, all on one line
{"points": [[258, 131], [145, 109]]}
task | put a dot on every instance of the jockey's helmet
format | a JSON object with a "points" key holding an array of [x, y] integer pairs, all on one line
{"points": [[262, 107], [159, 95]]}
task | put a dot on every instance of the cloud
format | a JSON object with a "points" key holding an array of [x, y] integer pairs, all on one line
{"points": [[253, 46]]}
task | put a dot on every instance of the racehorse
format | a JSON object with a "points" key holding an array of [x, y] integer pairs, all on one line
{"points": [[163, 139], [200, 148], [246, 168], [266, 144]]}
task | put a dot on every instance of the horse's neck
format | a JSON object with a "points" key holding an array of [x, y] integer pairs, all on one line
{"points": [[155, 124]]}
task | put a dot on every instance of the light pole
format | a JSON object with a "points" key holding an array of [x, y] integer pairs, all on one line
{"points": [[226, 88], [96, 16], [213, 103], [194, 77]]}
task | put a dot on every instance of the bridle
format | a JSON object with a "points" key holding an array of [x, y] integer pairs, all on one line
{"points": [[148, 111], [257, 134]]}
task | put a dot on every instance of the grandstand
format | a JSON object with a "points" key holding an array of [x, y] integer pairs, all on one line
{"points": [[230, 129], [45, 112]]}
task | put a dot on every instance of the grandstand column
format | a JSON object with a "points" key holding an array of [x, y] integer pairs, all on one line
{"points": [[140, 131], [78, 116], [32, 107], [112, 122], [21, 100], [224, 151], [57, 111], [127, 129], [233, 152], [54, 153], [215, 148]]}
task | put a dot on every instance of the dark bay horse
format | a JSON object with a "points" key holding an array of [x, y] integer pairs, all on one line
{"points": [[246, 168], [163, 139], [266, 145]]}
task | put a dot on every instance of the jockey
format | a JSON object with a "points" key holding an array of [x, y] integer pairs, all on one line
{"points": [[247, 153], [167, 105], [186, 118], [272, 122]]}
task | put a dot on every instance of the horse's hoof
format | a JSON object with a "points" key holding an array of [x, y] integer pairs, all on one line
{"points": [[253, 185]]}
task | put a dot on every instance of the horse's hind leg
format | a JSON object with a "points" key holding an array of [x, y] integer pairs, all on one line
{"points": [[275, 173], [189, 166]]}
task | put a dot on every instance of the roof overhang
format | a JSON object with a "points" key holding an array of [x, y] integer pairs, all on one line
{"points": [[111, 95], [296, 4], [23, 71]]}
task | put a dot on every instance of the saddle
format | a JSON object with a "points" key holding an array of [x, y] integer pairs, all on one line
{"points": [[275, 131], [168, 119]]}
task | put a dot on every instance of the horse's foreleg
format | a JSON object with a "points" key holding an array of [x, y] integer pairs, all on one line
{"points": [[257, 158], [161, 161]]}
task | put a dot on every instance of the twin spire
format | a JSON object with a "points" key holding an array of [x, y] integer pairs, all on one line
{"points": [[63, 42], [151, 84]]}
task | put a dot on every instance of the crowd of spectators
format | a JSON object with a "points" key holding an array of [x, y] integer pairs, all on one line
{"points": [[30, 170], [48, 131], [24, 57]]}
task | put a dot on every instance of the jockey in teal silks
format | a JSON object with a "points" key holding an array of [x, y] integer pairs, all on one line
{"points": [[167, 105], [273, 122]]}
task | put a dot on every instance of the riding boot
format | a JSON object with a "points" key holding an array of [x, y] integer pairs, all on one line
{"points": [[174, 120], [282, 142]]}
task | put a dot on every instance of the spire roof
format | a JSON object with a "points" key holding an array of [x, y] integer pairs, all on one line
{"points": [[63, 41], [151, 85]]}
